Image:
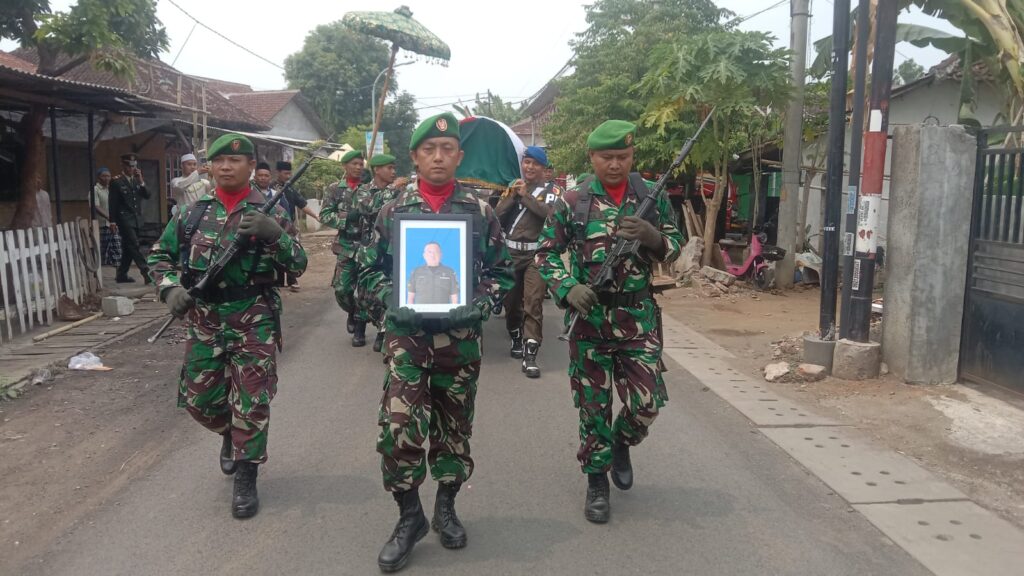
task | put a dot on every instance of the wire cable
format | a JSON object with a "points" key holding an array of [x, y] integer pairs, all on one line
{"points": [[236, 44], [183, 44]]}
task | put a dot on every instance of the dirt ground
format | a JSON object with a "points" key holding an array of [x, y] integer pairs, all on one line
{"points": [[973, 437], [70, 444]]}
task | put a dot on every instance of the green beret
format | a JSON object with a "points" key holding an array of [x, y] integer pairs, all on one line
{"points": [[612, 135], [351, 155], [381, 160], [230, 144], [443, 124]]}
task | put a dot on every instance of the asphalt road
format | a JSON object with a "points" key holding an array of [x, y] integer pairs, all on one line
{"points": [[712, 495]]}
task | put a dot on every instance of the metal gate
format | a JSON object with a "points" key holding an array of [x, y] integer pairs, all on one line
{"points": [[992, 342]]}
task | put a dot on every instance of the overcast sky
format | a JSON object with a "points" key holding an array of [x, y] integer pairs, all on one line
{"points": [[509, 47]]}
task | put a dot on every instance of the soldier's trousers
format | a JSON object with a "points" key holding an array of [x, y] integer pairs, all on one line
{"points": [[524, 303], [230, 373], [130, 252], [630, 366], [346, 273], [429, 394]]}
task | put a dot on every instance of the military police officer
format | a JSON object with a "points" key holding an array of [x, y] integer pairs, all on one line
{"points": [[341, 212], [523, 209], [617, 340], [433, 364], [234, 330]]}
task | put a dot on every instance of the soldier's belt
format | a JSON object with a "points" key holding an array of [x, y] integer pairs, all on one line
{"points": [[234, 293], [522, 246], [623, 299]]}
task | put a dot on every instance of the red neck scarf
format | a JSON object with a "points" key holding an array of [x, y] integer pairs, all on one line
{"points": [[231, 199], [353, 183], [616, 193], [435, 195]]}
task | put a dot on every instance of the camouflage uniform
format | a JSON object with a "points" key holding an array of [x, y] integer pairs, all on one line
{"points": [[613, 344], [230, 372], [369, 199], [430, 384], [341, 212]]}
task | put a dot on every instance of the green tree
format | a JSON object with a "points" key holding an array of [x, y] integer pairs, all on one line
{"points": [[610, 57], [907, 72], [336, 69], [491, 106], [739, 73], [398, 123], [107, 33]]}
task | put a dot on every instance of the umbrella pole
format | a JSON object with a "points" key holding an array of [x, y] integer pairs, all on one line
{"points": [[380, 104]]}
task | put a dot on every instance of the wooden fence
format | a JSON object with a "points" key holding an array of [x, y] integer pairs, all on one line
{"points": [[39, 266]]}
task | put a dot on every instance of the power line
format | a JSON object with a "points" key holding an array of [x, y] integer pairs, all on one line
{"points": [[236, 44], [742, 19], [183, 44]]}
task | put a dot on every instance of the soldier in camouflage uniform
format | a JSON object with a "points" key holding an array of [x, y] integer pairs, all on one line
{"points": [[230, 372], [433, 364], [368, 201], [340, 212], [617, 340]]}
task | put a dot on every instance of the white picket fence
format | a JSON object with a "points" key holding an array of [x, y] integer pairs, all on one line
{"points": [[40, 265]]}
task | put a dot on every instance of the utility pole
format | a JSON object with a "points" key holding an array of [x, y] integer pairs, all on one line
{"points": [[791, 145], [834, 170], [856, 137], [875, 143]]}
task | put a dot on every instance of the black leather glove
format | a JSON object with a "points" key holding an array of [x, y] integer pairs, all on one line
{"points": [[404, 318], [465, 316], [259, 225], [178, 301], [633, 228], [582, 298]]}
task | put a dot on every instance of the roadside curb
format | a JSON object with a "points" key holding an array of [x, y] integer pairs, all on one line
{"points": [[932, 520]]}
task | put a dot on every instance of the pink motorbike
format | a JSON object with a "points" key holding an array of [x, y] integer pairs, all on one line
{"points": [[755, 267]]}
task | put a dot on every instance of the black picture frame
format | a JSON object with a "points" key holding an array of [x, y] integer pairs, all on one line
{"points": [[421, 285]]}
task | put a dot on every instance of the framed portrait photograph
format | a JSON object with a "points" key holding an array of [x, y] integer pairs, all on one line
{"points": [[433, 263]]}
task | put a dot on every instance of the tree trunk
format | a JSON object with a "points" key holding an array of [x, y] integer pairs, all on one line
{"points": [[31, 131], [711, 214]]}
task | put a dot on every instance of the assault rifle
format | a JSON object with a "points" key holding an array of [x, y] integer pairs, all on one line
{"points": [[604, 278], [212, 275]]}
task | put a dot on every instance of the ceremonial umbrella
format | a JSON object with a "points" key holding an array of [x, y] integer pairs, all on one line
{"points": [[493, 153], [403, 32]]}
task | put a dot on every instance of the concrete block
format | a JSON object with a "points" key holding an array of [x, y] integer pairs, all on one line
{"points": [[811, 372], [856, 360], [720, 276], [689, 259], [117, 306], [929, 226], [818, 351], [775, 371]]}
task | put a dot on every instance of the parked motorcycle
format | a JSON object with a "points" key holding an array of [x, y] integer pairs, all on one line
{"points": [[755, 267]]}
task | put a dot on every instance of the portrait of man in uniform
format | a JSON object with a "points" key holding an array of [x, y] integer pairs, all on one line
{"points": [[430, 263], [433, 282]]}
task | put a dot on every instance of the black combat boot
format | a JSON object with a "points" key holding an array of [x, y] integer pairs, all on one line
{"points": [[378, 343], [517, 342], [597, 509], [530, 359], [350, 324], [622, 468], [227, 462], [245, 502], [411, 528], [445, 522], [359, 335]]}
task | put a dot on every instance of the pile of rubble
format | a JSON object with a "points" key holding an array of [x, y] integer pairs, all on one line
{"points": [[787, 366]]}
